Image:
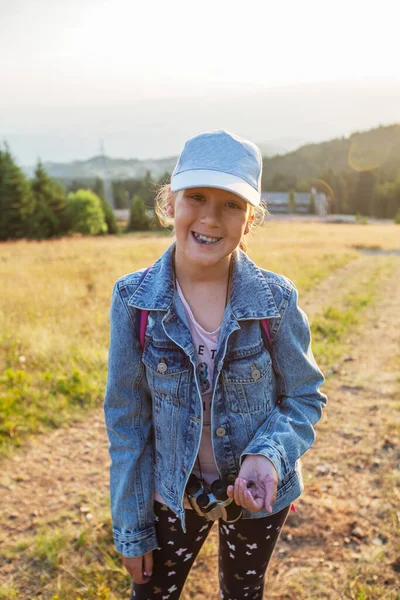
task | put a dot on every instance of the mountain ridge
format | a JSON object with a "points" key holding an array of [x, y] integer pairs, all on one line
{"points": [[361, 150]]}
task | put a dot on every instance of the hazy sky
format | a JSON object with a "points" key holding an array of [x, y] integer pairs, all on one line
{"points": [[59, 54]]}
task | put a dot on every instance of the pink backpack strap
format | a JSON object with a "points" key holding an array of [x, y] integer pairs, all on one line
{"points": [[141, 318], [265, 326], [144, 315]]}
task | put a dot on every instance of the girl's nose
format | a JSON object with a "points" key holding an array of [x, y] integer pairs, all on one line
{"points": [[211, 215]]}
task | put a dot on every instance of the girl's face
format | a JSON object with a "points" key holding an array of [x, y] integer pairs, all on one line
{"points": [[209, 223]]}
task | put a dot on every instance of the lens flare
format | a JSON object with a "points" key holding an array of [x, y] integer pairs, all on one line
{"points": [[369, 150], [322, 186]]}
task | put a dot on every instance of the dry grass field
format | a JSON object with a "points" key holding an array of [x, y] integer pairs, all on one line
{"points": [[343, 541]]}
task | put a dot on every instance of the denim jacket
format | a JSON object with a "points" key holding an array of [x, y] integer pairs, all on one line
{"points": [[153, 408]]}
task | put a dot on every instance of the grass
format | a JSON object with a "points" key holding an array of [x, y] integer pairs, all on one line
{"points": [[73, 563], [54, 316], [54, 312], [330, 328], [33, 402]]}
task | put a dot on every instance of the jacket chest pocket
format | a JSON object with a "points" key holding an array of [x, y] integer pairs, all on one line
{"points": [[167, 371], [248, 381]]}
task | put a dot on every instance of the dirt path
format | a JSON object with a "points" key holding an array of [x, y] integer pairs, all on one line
{"points": [[68, 469], [352, 476]]}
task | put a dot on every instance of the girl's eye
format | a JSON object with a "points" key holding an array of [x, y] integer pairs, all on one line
{"points": [[197, 197], [233, 205]]}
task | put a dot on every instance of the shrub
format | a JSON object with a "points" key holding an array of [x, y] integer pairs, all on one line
{"points": [[361, 219], [85, 214]]}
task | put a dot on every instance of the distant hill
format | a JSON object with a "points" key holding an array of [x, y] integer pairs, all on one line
{"points": [[126, 168], [368, 150], [282, 146], [106, 167], [361, 151]]}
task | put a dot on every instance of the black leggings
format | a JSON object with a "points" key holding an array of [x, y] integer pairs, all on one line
{"points": [[245, 548]]}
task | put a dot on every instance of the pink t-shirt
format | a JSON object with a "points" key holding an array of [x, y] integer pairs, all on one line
{"points": [[205, 343]]}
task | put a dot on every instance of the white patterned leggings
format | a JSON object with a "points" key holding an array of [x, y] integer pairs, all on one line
{"points": [[245, 549]]}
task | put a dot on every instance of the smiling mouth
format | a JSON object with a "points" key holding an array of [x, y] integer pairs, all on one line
{"points": [[204, 239]]}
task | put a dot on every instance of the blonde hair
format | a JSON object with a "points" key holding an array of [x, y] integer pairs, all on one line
{"points": [[164, 197]]}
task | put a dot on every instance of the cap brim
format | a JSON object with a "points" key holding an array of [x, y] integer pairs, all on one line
{"points": [[216, 179]]}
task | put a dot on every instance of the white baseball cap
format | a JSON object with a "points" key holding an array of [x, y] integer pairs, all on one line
{"points": [[222, 160]]}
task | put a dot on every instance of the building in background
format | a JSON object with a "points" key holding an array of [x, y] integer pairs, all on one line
{"points": [[278, 202]]}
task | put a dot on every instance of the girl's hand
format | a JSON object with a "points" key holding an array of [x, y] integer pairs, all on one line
{"points": [[256, 486], [140, 568]]}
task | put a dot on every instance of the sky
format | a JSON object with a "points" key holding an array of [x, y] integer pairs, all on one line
{"points": [[66, 63]]}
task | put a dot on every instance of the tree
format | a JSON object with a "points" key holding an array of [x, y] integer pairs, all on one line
{"points": [[50, 205], [98, 188], [386, 199], [146, 190], [138, 219], [85, 213], [107, 209], [292, 203], [363, 193], [120, 194], [17, 203], [109, 216], [164, 178], [124, 189]]}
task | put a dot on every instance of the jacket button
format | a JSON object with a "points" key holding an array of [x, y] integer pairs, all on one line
{"points": [[231, 477], [220, 432], [255, 374], [162, 366]]}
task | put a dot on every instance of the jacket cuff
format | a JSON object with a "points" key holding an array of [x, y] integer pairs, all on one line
{"points": [[271, 450], [135, 544]]}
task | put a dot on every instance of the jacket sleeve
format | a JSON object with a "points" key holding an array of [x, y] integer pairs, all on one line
{"points": [[288, 431], [127, 410]]}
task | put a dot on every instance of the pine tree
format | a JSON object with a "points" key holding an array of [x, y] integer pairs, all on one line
{"points": [[98, 188], [138, 220], [50, 218], [109, 216], [17, 203], [146, 191]]}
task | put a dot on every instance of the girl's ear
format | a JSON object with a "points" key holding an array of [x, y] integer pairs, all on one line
{"points": [[248, 224]]}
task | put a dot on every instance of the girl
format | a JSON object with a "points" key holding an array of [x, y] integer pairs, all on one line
{"points": [[208, 394]]}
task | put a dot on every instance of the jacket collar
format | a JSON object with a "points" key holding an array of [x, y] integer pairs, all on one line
{"points": [[251, 296]]}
